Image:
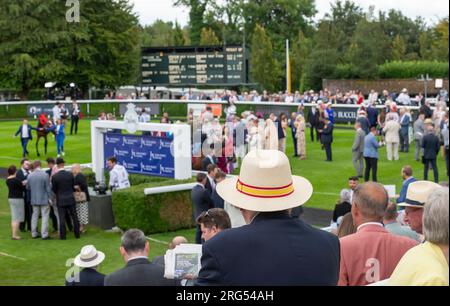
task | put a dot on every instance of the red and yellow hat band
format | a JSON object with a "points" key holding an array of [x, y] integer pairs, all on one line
{"points": [[265, 193]]}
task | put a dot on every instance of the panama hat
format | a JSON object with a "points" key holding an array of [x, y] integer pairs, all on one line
{"points": [[428, 121], [418, 193], [89, 257], [265, 184]]}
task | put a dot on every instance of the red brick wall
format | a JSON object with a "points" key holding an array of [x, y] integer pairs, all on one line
{"points": [[393, 85]]}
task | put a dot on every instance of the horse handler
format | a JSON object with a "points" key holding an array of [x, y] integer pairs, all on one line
{"points": [[25, 136]]}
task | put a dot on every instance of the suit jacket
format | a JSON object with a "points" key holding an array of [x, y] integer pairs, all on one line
{"points": [[39, 188], [405, 125], [359, 252], [358, 143], [274, 250], [431, 146], [313, 119], [208, 186], [30, 128], [81, 181], [139, 272], [402, 197], [365, 124], [341, 210], [88, 278], [372, 116], [279, 129], [217, 199], [62, 185], [22, 177], [371, 146], [207, 161], [201, 198], [392, 131], [419, 130], [327, 134]]}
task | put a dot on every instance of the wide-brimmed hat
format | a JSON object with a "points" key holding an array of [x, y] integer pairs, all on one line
{"points": [[89, 257], [266, 184], [428, 121], [418, 193]]}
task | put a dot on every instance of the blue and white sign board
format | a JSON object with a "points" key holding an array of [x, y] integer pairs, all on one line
{"points": [[147, 155], [168, 156]]}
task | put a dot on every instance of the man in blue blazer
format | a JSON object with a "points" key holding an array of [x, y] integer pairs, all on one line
{"points": [[202, 201], [371, 146], [327, 138], [274, 249], [405, 121], [407, 174], [25, 135]]}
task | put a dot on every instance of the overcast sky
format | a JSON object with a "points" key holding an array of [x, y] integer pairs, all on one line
{"points": [[431, 10]]}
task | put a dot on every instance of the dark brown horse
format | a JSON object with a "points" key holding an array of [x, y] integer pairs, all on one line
{"points": [[42, 132]]}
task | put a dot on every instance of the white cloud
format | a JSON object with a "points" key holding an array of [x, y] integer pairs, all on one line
{"points": [[151, 10]]}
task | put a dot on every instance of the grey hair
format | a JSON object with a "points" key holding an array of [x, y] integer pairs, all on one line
{"points": [[134, 241], [435, 217], [372, 200], [346, 195]]}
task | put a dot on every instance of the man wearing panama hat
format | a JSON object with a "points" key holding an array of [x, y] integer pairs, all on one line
{"points": [[416, 196], [89, 259], [273, 249]]}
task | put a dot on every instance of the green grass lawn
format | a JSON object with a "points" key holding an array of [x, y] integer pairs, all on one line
{"points": [[43, 262]]}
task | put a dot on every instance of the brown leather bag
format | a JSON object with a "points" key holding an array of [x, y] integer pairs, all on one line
{"points": [[80, 197]]}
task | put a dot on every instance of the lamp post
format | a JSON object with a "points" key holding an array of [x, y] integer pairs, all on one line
{"points": [[425, 79]]}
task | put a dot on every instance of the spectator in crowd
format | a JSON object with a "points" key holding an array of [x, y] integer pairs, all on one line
{"points": [[294, 132], [81, 186], [426, 110], [330, 112], [394, 227], [102, 116], [118, 175], [63, 187], [217, 199], [213, 222], [313, 120], [353, 183], [138, 271], [427, 263], [358, 150], [239, 256], [16, 201], [300, 136], [159, 260], [56, 111], [51, 165], [445, 137], [405, 121], [209, 159], [74, 117], [372, 115], [144, 117], [327, 138], [343, 207], [431, 146], [371, 146], [381, 124], [404, 98], [201, 198], [38, 185], [271, 135], [407, 175], [212, 171], [392, 137], [346, 226], [22, 175], [89, 261], [364, 122], [371, 254], [417, 195], [419, 132], [25, 136]]}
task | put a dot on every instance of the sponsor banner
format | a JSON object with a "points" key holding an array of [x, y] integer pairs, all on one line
{"points": [[150, 108], [35, 110], [147, 155]]}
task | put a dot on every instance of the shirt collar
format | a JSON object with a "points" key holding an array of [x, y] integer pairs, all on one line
{"points": [[369, 223], [137, 257]]}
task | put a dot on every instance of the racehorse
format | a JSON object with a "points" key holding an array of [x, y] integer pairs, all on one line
{"points": [[42, 132]]}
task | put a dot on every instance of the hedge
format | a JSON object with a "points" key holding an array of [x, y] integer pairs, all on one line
{"points": [[413, 69], [153, 213]]}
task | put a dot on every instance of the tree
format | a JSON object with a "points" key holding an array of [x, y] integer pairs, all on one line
{"points": [[300, 52], [369, 48], [440, 46], [398, 49], [265, 69], [178, 35], [196, 17], [208, 38]]}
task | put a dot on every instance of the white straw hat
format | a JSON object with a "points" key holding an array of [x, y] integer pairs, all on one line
{"points": [[418, 193], [89, 257], [266, 184]]}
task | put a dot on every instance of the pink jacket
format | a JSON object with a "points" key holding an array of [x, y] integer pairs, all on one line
{"points": [[371, 255]]}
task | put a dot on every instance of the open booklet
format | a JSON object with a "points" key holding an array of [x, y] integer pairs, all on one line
{"points": [[183, 260]]}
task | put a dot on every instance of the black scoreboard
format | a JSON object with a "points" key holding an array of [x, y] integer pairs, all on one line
{"points": [[218, 65]]}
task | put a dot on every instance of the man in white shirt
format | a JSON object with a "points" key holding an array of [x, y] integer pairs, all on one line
{"points": [[56, 112], [118, 175], [145, 117]]}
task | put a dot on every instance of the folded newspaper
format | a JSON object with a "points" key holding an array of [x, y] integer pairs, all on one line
{"points": [[183, 260]]}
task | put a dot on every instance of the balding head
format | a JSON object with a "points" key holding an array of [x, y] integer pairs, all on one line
{"points": [[177, 241], [370, 201]]}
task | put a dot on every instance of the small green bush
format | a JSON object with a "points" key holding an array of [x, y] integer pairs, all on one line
{"points": [[413, 69], [153, 213]]}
